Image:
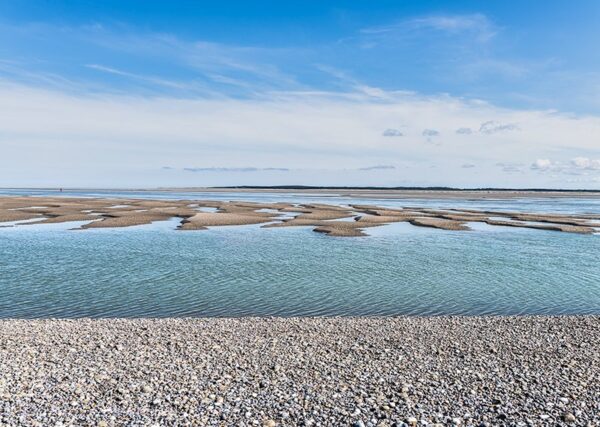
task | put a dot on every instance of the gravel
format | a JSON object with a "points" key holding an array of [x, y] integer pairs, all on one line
{"points": [[301, 371]]}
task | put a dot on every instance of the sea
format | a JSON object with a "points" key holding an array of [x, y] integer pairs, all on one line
{"points": [[53, 271]]}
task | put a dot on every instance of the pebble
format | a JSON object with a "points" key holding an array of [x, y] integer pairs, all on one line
{"points": [[301, 371]]}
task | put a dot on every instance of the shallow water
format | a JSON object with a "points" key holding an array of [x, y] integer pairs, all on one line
{"points": [[529, 204], [399, 269]]}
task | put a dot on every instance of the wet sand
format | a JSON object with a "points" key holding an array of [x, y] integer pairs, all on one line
{"points": [[331, 219]]}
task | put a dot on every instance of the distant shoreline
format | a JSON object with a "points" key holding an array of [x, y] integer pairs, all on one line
{"points": [[402, 188], [408, 192], [363, 192]]}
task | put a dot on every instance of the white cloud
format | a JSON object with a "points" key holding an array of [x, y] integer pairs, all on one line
{"points": [[392, 132], [431, 135], [53, 138], [491, 127], [577, 166], [464, 131], [543, 165], [585, 163], [430, 132]]}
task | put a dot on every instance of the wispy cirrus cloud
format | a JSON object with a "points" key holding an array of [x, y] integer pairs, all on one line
{"points": [[475, 24], [148, 79], [478, 24], [205, 67]]}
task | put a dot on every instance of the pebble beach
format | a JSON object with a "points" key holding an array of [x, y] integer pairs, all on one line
{"points": [[395, 371]]}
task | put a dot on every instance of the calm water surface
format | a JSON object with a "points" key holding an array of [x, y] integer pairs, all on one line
{"points": [[155, 270], [531, 204]]}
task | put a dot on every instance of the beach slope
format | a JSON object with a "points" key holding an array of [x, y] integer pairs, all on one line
{"points": [[301, 371]]}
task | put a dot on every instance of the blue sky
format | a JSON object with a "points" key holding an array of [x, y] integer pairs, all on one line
{"points": [[148, 93]]}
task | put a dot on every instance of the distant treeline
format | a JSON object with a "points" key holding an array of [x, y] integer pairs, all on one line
{"points": [[310, 187]]}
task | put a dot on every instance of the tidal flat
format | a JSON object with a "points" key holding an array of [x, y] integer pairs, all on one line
{"points": [[331, 219]]}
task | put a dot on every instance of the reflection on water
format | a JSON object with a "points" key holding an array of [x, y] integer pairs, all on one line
{"points": [[399, 269]]}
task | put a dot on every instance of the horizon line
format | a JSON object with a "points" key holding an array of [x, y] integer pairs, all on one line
{"points": [[313, 187]]}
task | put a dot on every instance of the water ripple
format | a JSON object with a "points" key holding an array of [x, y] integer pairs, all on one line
{"points": [[155, 271]]}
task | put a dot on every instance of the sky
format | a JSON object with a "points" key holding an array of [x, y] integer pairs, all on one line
{"points": [[471, 94]]}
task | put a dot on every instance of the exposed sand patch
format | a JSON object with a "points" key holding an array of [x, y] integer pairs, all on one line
{"points": [[343, 229], [202, 220], [16, 215], [381, 219], [136, 218], [324, 214], [443, 224], [550, 227]]}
